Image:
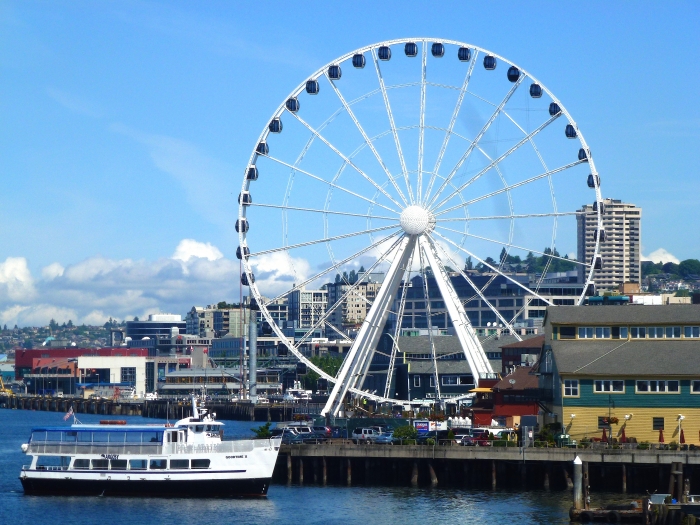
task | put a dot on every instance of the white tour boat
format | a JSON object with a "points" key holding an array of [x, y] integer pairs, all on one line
{"points": [[186, 459]]}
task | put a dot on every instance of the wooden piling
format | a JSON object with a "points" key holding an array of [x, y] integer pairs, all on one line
{"points": [[624, 478], [301, 471], [414, 475], [324, 475], [349, 473], [546, 476], [493, 474], [289, 468], [433, 476]]}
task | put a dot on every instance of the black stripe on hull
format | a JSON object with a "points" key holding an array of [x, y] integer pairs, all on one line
{"points": [[201, 488]]}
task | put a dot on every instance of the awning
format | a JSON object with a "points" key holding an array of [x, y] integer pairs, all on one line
{"points": [[482, 390]]}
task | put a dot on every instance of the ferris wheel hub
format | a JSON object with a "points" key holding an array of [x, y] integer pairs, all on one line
{"points": [[416, 220]]}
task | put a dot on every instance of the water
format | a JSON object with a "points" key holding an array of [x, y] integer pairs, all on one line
{"points": [[284, 504]]}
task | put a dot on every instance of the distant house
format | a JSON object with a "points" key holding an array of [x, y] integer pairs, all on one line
{"points": [[516, 395], [521, 353], [626, 369]]}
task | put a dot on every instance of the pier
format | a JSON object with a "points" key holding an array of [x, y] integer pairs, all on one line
{"points": [[616, 470]]}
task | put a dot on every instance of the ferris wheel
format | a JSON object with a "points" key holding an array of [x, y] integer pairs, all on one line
{"points": [[413, 158]]}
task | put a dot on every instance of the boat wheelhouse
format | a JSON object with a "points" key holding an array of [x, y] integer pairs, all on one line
{"points": [[189, 458]]}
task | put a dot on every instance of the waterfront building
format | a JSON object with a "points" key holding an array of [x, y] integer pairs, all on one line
{"points": [[516, 395], [353, 309], [307, 306], [619, 251], [627, 369], [212, 321], [158, 325]]}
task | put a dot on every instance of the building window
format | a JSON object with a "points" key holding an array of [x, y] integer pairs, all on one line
{"points": [[128, 374], [602, 422], [571, 388], [695, 386], [449, 380], [691, 331], [585, 332], [416, 381], [432, 381], [602, 332], [608, 385], [567, 332], [639, 332], [655, 332], [657, 423], [654, 386], [673, 332]]}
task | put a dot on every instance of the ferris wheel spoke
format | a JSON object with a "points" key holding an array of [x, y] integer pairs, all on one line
{"points": [[329, 183], [327, 239], [331, 212], [475, 142], [421, 131], [367, 140], [470, 254], [397, 328], [513, 216], [350, 291], [370, 332], [389, 113], [332, 268], [506, 188], [448, 131], [346, 159], [429, 321], [511, 245], [477, 290]]}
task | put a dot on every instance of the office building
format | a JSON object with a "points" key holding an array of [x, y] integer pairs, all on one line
{"points": [[620, 247]]}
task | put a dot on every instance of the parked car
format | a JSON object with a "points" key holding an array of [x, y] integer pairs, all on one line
{"points": [[436, 435], [381, 430], [364, 435], [387, 438], [323, 431], [478, 437], [289, 436]]}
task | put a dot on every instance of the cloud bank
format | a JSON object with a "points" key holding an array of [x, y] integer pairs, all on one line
{"points": [[661, 255]]}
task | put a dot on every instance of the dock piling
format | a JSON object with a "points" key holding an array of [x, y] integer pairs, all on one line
{"points": [[578, 483]]}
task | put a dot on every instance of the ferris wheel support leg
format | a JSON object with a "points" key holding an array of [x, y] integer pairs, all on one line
{"points": [[473, 351], [366, 341]]}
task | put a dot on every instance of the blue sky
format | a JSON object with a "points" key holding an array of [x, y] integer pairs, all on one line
{"points": [[125, 128]]}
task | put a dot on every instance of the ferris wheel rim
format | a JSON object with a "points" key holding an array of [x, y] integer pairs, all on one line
{"points": [[323, 71]]}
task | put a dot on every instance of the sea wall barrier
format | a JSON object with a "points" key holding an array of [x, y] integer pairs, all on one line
{"points": [[161, 408], [625, 470]]}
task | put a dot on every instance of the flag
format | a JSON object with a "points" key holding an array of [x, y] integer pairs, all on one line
{"points": [[68, 414]]}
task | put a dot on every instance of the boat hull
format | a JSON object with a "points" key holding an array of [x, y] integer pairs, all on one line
{"points": [[201, 488]]}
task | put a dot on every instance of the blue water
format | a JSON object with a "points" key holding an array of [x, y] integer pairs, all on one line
{"points": [[284, 504]]}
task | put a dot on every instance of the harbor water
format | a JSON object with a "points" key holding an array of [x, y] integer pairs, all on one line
{"points": [[285, 504]]}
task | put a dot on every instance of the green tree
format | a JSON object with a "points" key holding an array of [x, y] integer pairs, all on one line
{"points": [[468, 265], [406, 432], [689, 267], [683, 293], [70, 324], [362, 269], [329, 364], [136, 318], [353, 277], [263, 431], [671, 268], [337, 278]]}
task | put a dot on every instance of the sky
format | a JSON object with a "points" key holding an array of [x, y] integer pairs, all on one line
{"points": [[125, 128]]}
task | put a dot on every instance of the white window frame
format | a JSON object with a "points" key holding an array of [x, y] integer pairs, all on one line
{"points": [[635, 330], [655, 386], [692, 332], [432, 381], [670, 332], [573, 386], [585, 332], [416, 381], [447, 380], [607, 385], [695, 386], [604, 332], [655, 332]]}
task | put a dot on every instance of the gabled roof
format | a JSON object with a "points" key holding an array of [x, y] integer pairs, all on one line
{"points": [[628, 314], [649, 358], [522, 380], [532, 341]]}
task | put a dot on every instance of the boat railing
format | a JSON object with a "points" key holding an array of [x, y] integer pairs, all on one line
{"points": [[93, 448], [241, 446]]}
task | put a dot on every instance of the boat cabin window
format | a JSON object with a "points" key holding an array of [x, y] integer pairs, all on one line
{"points": [[99, 464], [137, 464], [158, 464], [200, 463], [179, 463], [117, 464], [52, 462], [174, 437], [81, 464], [199, 428]]}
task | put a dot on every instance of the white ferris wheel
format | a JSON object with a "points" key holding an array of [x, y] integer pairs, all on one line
{"points": [[412, 157]]}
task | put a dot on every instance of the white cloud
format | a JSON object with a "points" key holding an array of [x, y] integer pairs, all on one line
{"points": [[189, 248], [52, 271], [74, 103], [277, 272], [16, 281], [661, 255]]}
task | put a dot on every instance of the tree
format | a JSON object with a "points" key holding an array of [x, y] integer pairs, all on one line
{"points": [[136, 318], [362, 269], [671, 268], [53, 325], [345, 277], [683, 293], [70, 324], [503, 256], [353, 277], [263, 431], [5, 327], [337, 278], [468, 265], [689, 267], [406, 432]]}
